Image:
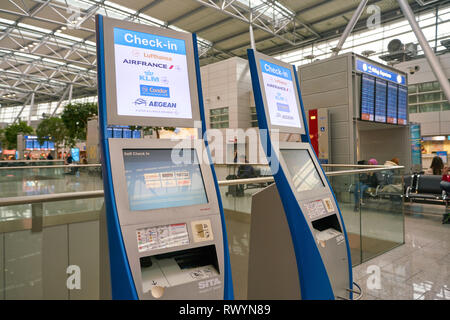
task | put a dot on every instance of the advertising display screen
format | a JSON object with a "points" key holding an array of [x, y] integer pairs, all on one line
{"points": [[36, 145], [280, 95], [302, 169], [392, 103], [156, 181], [367, 97], [152, 74], [402, 105], [380, 100], [29, 144]]}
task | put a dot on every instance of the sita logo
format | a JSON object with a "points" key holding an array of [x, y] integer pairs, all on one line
{"points": [[209, 283]]}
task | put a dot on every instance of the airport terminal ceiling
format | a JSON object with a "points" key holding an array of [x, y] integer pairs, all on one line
{"points": [[47, 47]]}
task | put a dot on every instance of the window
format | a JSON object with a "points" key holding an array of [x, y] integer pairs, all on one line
{"points": [[218, 118], [427, 97], [253, 117]]}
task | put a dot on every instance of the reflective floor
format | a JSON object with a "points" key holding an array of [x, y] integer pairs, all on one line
{"points": [[419, 269]]}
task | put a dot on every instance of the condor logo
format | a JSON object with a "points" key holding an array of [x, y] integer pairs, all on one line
{"points": [[205, 284]]}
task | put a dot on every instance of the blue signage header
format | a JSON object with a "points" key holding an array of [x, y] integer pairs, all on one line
{"points": [[379, 72], [275, 70], [149, 41]]}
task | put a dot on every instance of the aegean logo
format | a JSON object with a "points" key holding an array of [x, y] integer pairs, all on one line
{"points": [[205, 284]]}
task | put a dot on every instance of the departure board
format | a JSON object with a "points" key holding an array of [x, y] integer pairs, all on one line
{"points": [[392, 103], [380, 100], [367, 97], [402, 105]]}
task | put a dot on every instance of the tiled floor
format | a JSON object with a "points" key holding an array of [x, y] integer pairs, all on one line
{"points": [[419, 269]]}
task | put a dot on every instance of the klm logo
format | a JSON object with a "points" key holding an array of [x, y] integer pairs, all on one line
{"points": [[148, 76]]}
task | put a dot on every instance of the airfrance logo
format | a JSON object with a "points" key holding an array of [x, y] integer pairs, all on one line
{"points": [[154, 91], [152, 64], [275, 70], [148, 41]]}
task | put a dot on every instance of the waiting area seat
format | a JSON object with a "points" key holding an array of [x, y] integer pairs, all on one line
{"points": [[425, 188]]}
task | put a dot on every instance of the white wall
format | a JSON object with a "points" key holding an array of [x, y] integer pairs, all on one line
{"points": [[432, 123]]}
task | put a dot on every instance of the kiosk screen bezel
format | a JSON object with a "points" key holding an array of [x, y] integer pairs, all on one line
{"points": [[128, 216], [113, 118]]}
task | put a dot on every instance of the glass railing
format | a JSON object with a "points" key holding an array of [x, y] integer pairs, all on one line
{"points": [[40, 236]]}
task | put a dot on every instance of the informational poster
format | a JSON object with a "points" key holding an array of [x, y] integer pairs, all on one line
{"points": [[392, 103], [151, 75], [161, 237], [280, 95], [380, 100], [367, 97], [402, 104]]}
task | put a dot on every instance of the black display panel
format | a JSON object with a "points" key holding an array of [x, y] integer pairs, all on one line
{"points": [[305, 176], [380, 100], [402, 105], [392, 97], [367, 97], [159, 178]]}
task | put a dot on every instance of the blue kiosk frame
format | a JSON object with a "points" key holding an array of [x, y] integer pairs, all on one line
{"points": [[123, 280], [313, 272]]}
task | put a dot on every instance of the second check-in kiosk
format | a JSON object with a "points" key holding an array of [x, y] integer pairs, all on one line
{"points": [[164, 218], [298, 245]]}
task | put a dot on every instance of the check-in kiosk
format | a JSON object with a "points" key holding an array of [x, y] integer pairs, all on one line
{"points": [[298, 243], [166, 235]]}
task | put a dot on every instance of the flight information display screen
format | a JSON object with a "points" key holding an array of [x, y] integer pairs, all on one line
{"points": [[367, 97], [380, 100], [302, 170], [402, 105], [392, 103], [157, 179]]}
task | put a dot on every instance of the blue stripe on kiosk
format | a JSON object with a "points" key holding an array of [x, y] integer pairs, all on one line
{"points": [[166, 236], [302, 203]]}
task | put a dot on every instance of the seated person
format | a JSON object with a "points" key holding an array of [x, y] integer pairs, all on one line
{"points": [[445, 187], [245, 171], [445, 182]]}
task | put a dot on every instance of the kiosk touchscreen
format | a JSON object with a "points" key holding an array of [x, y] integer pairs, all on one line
{"points": [[307, 237], [164, 219]]}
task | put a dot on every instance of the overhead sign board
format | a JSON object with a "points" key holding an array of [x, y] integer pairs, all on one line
{"points": [[377, 71]]}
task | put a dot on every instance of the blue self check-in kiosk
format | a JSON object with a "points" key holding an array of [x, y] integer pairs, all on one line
{"points": [[163, 232], [298, 245]]}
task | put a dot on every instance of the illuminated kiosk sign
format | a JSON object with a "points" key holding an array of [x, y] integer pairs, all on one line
{"points": [[296, 223], [163, 216]]}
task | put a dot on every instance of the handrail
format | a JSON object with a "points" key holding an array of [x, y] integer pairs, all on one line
{"points": [[99, 193], [53, 166], [12, 201], [358, 171], [37, 160]]}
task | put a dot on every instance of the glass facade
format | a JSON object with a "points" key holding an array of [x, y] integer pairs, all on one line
{"points": [[218, 118], [426, 97]]}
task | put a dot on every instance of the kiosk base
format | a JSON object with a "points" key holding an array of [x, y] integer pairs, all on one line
{"points": [[272, 271], [105, 275]]}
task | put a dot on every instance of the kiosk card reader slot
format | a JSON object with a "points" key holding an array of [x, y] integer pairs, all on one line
{"points": [[164, 218], [309, 243]]}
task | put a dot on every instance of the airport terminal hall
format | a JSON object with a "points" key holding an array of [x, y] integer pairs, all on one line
{"points": [[225, 157]]}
